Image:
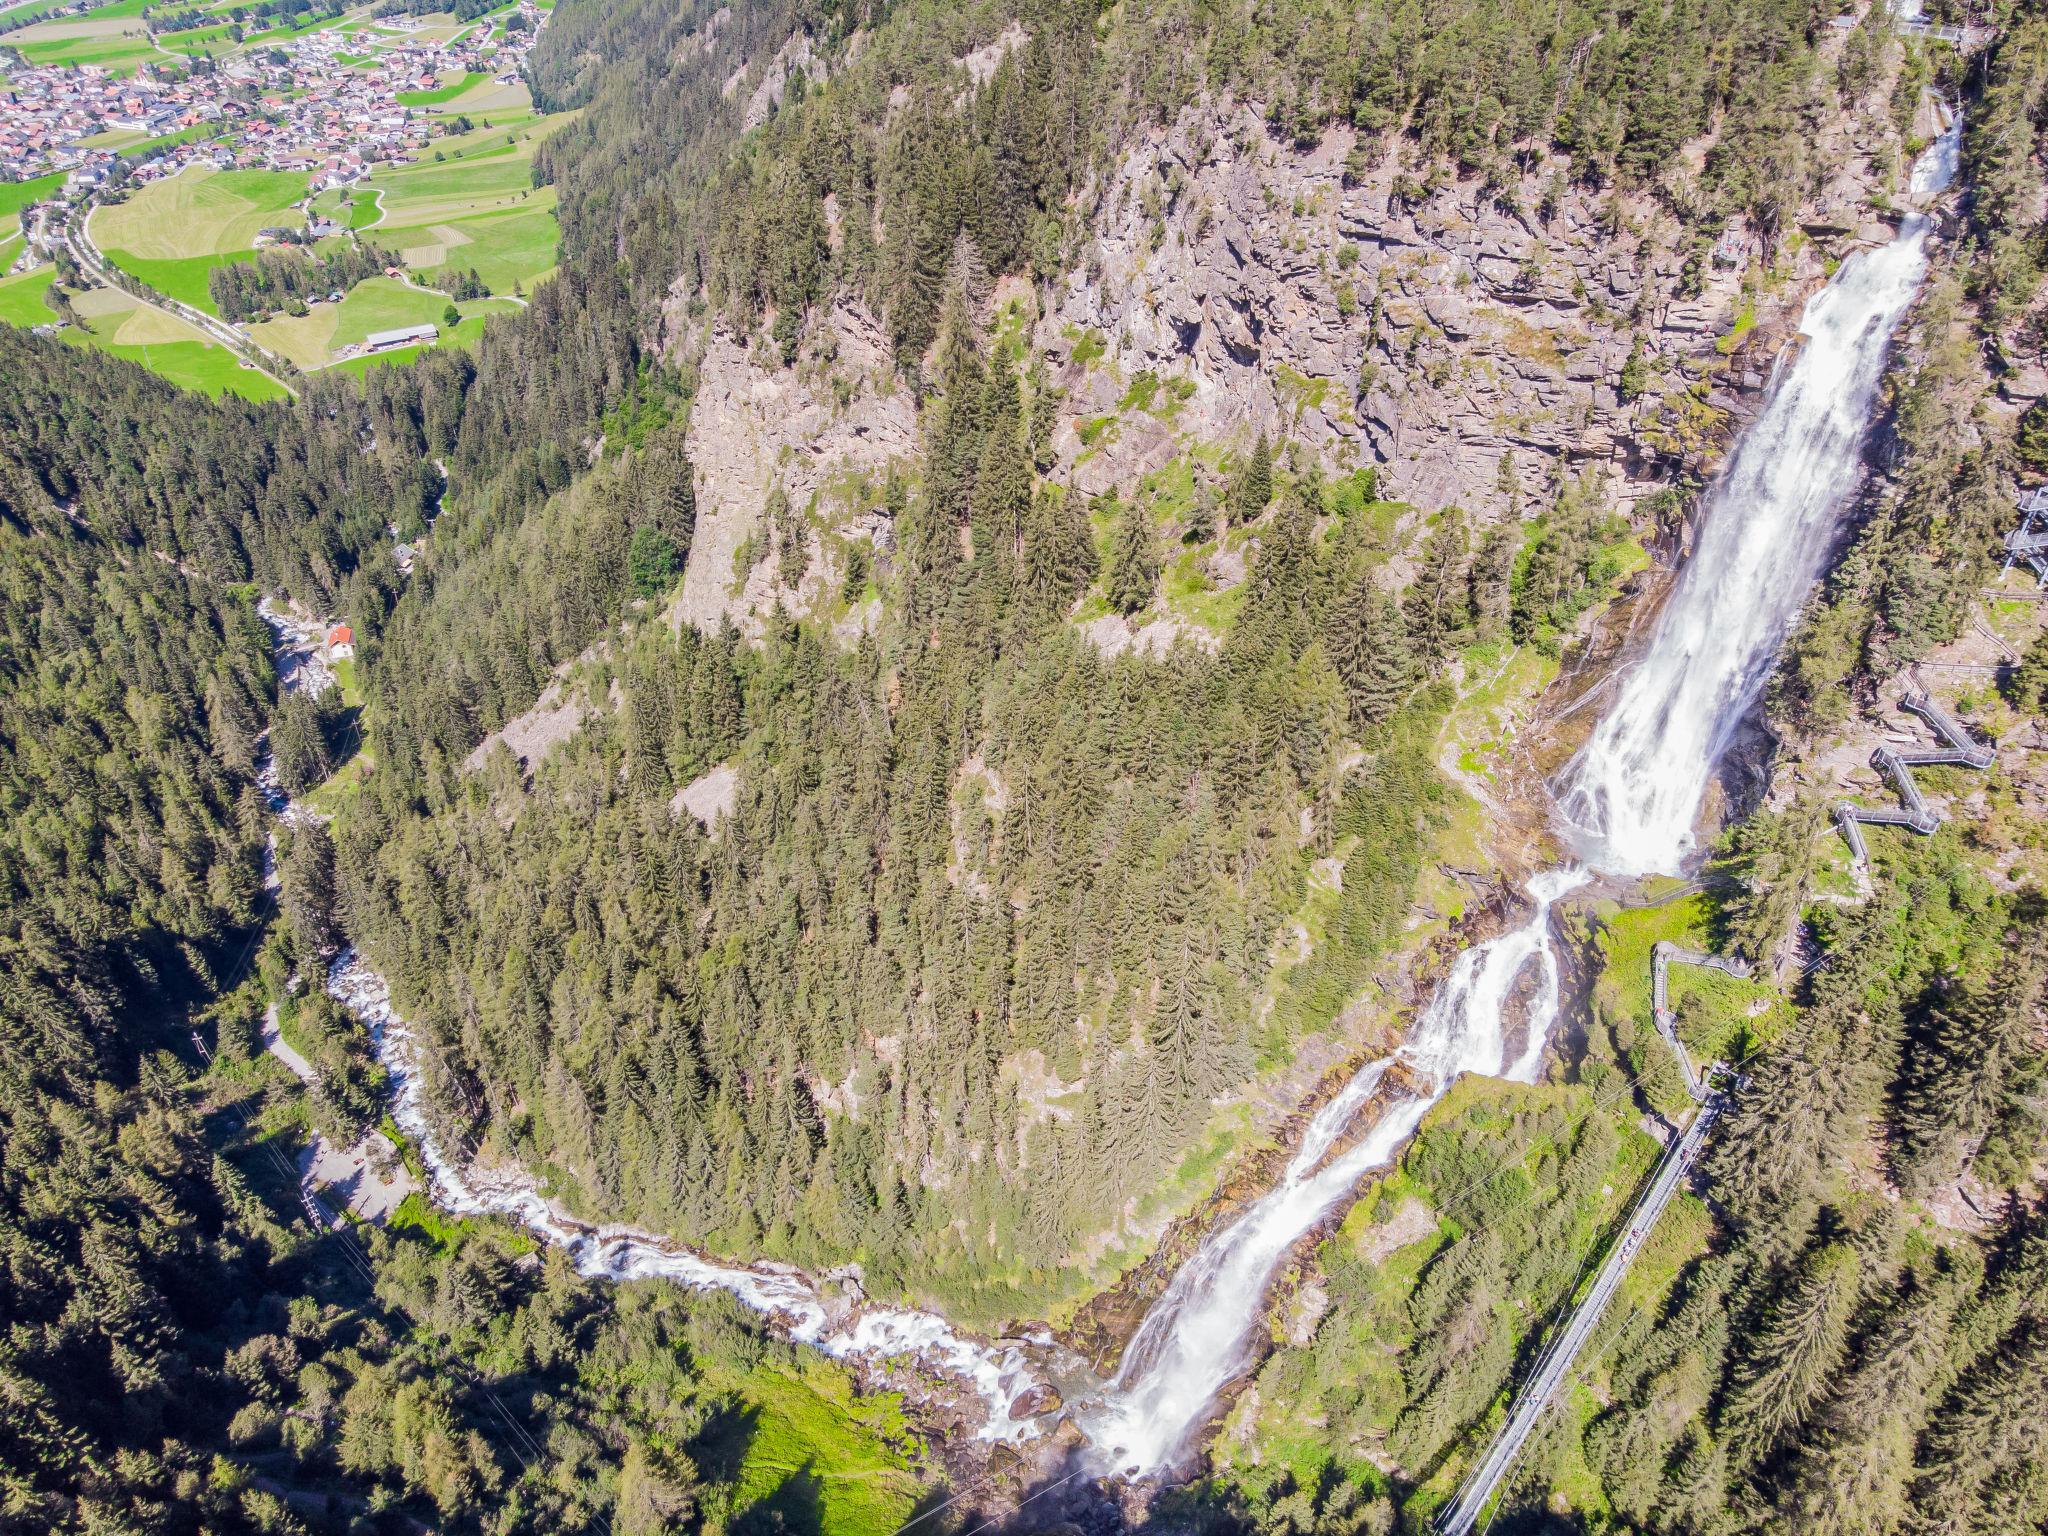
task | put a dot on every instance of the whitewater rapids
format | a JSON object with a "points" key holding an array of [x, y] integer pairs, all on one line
{"points": [[1628, 802], [1198, 1336], [998, 1374]]}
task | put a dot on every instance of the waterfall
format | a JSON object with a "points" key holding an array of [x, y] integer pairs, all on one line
{"points": [[1628, 801], [1198, 1336], [1630, 797]]}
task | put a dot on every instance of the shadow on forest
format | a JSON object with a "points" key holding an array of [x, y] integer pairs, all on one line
{"points": [[1064, 1503], [720, 1449], [795, 1508]]}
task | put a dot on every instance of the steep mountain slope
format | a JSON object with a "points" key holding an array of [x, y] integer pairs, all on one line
{"points": [[991, 391]]}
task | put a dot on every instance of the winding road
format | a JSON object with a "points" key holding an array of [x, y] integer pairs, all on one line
{"points": [[74, 232]]}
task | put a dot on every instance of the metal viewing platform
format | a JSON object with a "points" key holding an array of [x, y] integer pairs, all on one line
{"points": [[1960, 749], [1663, 955], [2029, 541]]}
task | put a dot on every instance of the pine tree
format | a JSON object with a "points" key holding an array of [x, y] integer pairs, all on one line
{"points": [[1254, 486], [1849, 1477], [307, 886], [1973, 1054], [1983, 1468], [1133, 574], [1002, 486], [2027, 683], [1437, 605], [1059, 548], [1368, 645], [1790, 1363], [1493, 569]]}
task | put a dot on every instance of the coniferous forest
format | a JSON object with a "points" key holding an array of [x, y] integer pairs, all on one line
{"points": [[968, 899]]}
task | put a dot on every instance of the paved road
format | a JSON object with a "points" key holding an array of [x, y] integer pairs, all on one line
{"points": [[87, 255], [1555, 1364]]}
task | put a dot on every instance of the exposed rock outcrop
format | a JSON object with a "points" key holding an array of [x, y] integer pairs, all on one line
{"points": [[824, 433], [1429, 332], [1367, 311]]}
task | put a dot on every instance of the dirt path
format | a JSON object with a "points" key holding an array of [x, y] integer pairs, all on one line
{"points": [[370, 1178]]}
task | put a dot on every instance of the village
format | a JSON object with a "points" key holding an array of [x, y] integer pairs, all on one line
{"points": [[305, 103]]}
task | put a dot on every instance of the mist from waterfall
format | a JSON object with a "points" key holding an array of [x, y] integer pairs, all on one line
{"points": [[1629, 801]]}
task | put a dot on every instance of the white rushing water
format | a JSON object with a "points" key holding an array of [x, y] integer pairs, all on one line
{"points": [[999, 1374], [1631, 796], [1198, 1335], [1630, 799]]}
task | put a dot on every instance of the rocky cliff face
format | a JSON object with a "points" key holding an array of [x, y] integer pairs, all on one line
{"points": [[1459, 337], [818, 438], [1360, 313]]}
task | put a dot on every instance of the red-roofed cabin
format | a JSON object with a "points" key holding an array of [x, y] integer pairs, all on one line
{"points": [[341, 642]]}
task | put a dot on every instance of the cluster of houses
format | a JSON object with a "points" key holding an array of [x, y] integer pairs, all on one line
{"points": [[307, 103], [45, 112]]}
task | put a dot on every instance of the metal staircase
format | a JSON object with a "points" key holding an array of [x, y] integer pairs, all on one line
{"points": [[2029, 541], [1959, 749], [1663, 955]]}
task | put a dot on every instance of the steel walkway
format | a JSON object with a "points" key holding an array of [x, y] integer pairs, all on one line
{"points": [[1960, 749], [1462, 1513]]}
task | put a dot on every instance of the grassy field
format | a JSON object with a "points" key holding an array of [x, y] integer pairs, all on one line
{"points": [[21, 297], [17, 195], [375, 304], [811, 1455], [361, 211], [173, 233], [111, 36], [120, 324], [199, 212], [182, 277], [476, 206], [446, 91]]}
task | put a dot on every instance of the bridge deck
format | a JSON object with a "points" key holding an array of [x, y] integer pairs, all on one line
{"points": [[1552, 1366]]}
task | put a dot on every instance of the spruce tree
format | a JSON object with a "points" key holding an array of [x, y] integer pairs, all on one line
{"points": [[1254, 486], [307, 890], [1001, 500], [1437, 607], [1133, 574], [1368, 645], [1791, 1361]]}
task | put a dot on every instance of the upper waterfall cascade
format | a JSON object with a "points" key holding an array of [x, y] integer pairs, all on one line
{"points": [[1630, 798], [1629, 801]]}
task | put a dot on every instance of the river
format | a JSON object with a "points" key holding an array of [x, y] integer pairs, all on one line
{"points": [[1626, 808]]}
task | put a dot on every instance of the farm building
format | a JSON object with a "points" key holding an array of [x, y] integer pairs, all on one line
{"points": [[402, 336]]}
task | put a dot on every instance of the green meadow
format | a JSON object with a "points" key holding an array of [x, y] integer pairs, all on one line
{"points": [[17, 195], [111, 36], [21, 297], [475, 206], [172, 233], [446, 92], [119, 324], [375, 304]]}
